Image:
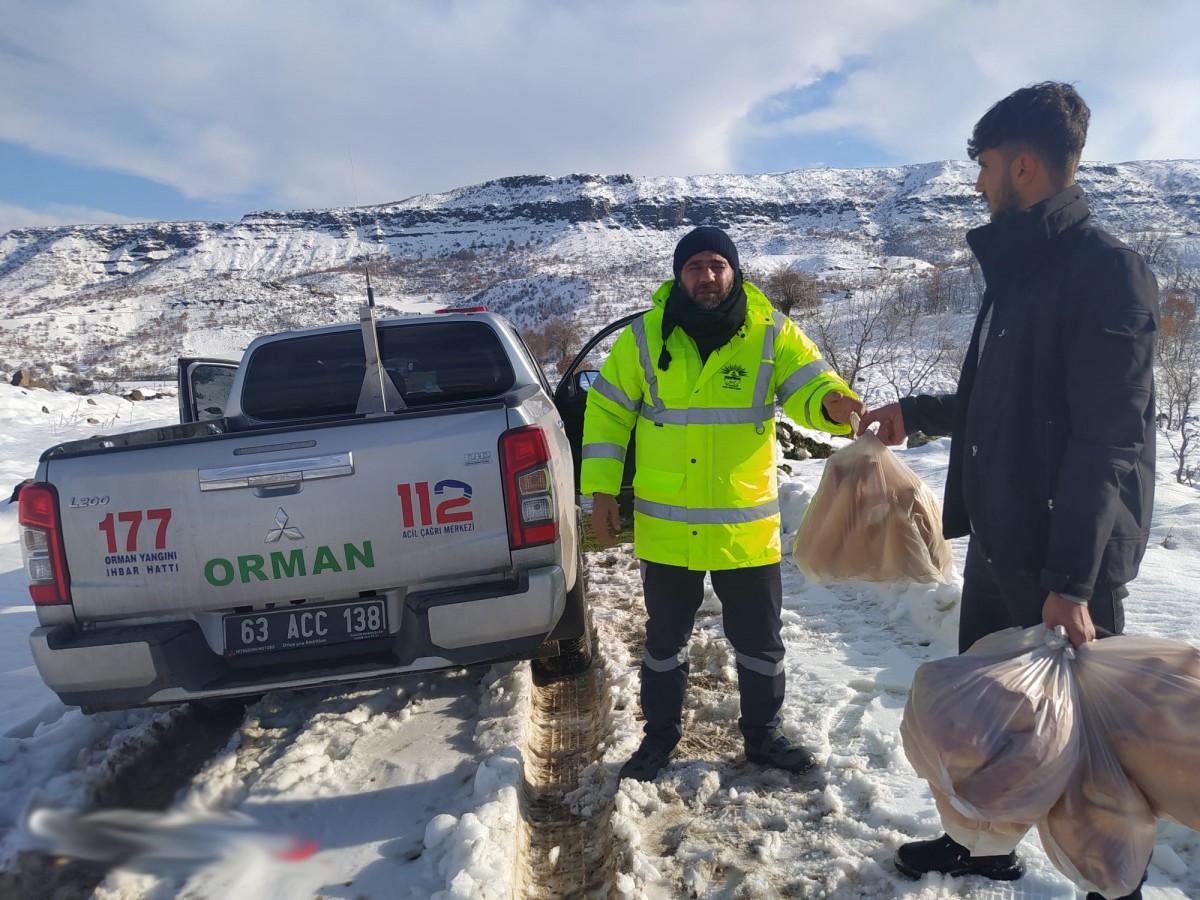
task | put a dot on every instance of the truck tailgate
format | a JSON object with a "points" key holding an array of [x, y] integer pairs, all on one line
{"points": [[285, 515]]}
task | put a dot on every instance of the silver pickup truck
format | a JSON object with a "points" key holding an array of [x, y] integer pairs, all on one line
{"points": [[346, 502]]}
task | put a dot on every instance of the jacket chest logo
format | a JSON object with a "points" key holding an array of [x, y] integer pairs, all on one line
{"points": [[733, 375]]}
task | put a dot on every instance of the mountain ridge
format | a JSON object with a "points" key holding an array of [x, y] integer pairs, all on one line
{"points": [[73, 294]]}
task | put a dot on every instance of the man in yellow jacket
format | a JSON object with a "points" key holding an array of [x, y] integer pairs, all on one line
{"points": [[697, 376]]}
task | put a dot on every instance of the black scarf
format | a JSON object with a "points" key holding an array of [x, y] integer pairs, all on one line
{"points": [[709, 328]]}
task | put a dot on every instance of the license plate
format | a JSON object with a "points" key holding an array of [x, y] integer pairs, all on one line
{"points": [[291, 629]]}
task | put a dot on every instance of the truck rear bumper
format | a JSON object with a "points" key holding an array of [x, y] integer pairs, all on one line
{"points": [[140, 665]]}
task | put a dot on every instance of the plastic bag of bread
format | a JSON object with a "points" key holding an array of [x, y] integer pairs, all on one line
{"points": [[1101, 832], [871, 519], [995, 729], [1144, 693], [981, 838]]}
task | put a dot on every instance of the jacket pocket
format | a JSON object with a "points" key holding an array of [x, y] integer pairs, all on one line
{"points": [[1128, 323], [752, 480], [659, 485]]}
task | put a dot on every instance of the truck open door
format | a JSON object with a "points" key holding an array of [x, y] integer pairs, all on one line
{"points": [[571, 394], [204, 386]]}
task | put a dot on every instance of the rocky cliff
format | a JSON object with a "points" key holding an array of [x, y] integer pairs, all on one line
{"points": [[97, 300]]}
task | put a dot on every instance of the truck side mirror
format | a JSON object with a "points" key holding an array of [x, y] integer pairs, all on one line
{"points": [[585, 379]]}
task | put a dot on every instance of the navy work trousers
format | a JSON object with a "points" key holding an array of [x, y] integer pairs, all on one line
{"points": [[995, 598], [751, 600]]}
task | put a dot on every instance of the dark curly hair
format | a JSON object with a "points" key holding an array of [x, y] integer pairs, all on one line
{"points": [[1049, 118]]}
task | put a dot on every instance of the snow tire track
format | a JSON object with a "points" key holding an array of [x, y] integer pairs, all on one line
{"points": [[569, 849], [144, 771], [713, 826]]}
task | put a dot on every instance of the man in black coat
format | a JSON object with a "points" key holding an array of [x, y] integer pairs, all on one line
{"points": [[1052, 426]]}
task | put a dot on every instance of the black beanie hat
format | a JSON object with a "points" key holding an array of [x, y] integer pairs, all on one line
{"points": [[706, 237]]}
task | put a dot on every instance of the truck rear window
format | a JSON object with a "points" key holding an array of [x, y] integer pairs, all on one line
{"points": [[322, 374]]}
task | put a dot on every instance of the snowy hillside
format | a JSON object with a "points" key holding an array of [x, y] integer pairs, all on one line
{"points": [[481, 782], [478, 783], [588, 246]]}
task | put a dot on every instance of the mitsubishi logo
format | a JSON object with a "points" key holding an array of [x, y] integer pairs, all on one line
{"points": [[281, 519]]}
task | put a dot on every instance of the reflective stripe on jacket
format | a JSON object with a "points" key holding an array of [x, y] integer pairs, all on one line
{"points": [[705, 489]]}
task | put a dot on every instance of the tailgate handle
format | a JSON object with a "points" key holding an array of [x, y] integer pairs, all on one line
{"points": [[279, 473]]}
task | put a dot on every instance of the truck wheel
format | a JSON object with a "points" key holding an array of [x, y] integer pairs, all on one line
{"points": [[574, 658], [574, 653], [221, 707]]}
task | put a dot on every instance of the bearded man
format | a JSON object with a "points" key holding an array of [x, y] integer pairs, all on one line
{"points": [[698, 377], [1052, 426]]}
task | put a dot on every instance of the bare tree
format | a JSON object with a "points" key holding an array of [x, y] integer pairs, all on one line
{"points": [[556, 343], [789, 289], [1177, 348], [947, 289], [1178, 380], [1154, 247], [933, 357], [876, 339]]}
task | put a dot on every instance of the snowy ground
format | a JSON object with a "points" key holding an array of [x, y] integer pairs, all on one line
{"points": [[414, 787]]}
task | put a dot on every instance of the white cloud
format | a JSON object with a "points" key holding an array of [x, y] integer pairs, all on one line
{"points": [[12, 216], [921, 85], [222, 99]]}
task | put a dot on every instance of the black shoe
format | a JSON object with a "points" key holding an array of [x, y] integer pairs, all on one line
{"points": [[948, 857], [1136, 895], [647, 761], [779, 751]]}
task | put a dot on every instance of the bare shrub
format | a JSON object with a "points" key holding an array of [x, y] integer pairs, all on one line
{"points": [[556, 343], [877, 339], [789, 289], [1178, 381]]}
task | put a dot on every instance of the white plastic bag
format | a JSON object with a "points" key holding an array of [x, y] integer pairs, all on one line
{"points": [[1089, 744], [1144, 694], [981, 838], [871, 519], [1101, 832], [995, 729]]}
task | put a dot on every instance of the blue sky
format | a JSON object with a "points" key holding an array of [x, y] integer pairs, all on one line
{"points": [[138, 110], [44, 181]]}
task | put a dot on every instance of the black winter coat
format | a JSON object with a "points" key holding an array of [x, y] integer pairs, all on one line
{"points": [[1052, 426]]}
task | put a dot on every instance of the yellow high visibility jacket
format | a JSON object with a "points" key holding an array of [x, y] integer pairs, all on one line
{"points": [[706, 493]]}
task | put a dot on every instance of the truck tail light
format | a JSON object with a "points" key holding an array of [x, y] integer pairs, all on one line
{"points": [[42, 546], [525, 458]]}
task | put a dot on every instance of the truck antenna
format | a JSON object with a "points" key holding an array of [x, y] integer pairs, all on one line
{"points": [[378, 393], [358, 205]]}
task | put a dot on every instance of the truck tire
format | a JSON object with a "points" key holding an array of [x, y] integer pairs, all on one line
{"points": [[574, 652]]}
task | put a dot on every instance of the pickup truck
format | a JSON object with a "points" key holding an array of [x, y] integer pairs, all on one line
{"points": [[347, 502]]}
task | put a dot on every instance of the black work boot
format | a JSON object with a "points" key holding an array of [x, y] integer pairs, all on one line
{"points": [[647, 761], [776, 749], [948, 857], [1136, 895]]}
